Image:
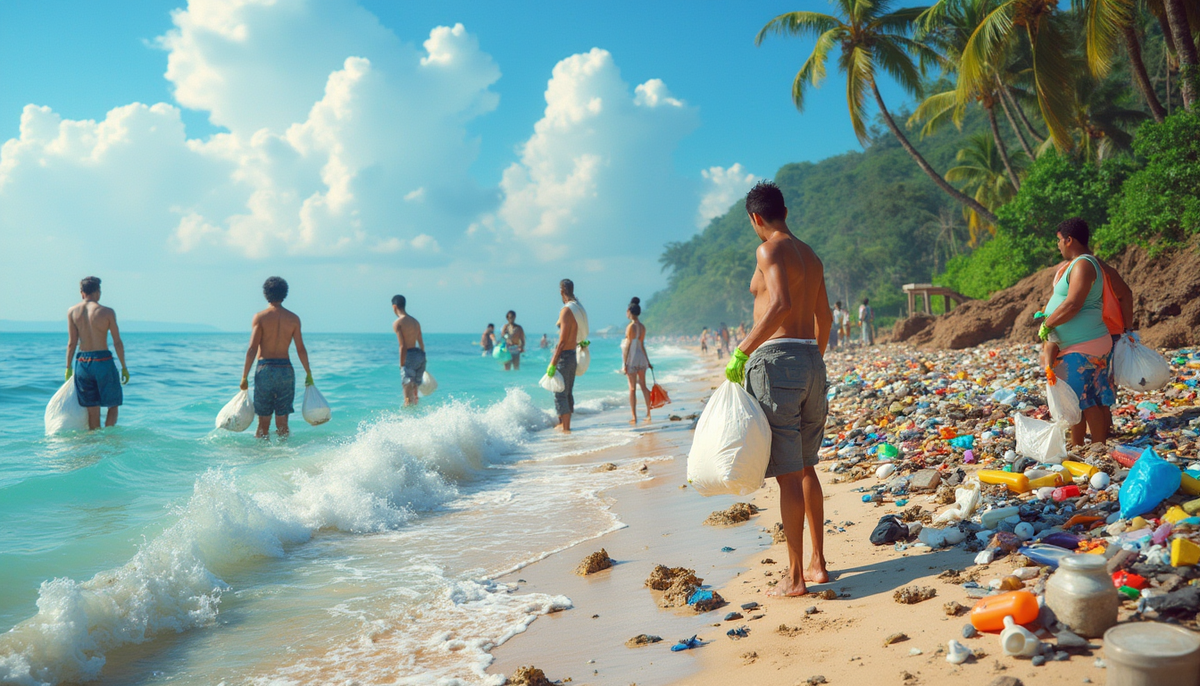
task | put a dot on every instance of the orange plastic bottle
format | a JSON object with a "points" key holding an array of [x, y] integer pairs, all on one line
{"points": [[1017, 483], [989, 613]]}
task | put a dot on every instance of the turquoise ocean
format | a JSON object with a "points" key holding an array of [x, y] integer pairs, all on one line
{"points": [[361, 550]]}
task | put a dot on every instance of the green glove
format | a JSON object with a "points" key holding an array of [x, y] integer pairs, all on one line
{"points": [[124, 376], [584, 344], [1044, 332], [735, 371], [551, 370], [308, 379], [68, 376]]}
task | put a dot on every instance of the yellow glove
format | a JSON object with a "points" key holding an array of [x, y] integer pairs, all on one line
{"points": [[68, 376], [124, 376]]}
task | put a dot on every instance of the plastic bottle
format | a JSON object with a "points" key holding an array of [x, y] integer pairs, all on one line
{"points": [[1079, 468], [989, 613], [1125, 455], [1017, 640], [1017, 483], [992, 518], [1053, 479], [1064, 492], [1190, 484]]}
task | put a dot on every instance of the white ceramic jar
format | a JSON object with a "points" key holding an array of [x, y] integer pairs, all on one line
{"points": [[1082, 595]]}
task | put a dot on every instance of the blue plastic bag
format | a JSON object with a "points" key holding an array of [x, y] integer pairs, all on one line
{"points": [[1150, 481], [966, 441]]}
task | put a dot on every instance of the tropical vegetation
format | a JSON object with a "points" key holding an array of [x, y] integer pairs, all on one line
{"points": [[1023, 113]]}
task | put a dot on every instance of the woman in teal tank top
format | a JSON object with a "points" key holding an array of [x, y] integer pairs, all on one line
{"points": [[1077, 342]]}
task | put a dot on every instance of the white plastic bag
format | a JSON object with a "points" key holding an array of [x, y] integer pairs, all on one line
{"points": [[428, 384], [1137, 367], [315, 410], [554, 384], [64, 413], [238, 414], [731, 446], [1041, 441], [1063, 402], [583, 359]]}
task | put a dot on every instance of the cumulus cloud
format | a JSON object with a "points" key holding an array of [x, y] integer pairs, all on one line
{"points": [[596, 177], [723, 186]]}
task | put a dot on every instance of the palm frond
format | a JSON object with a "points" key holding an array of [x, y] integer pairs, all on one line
{"points": [[813, 71], [988, 40], [936, 110], [1053, 78], [798, 24], [896, 62], [860, 74], [1103, 21]]}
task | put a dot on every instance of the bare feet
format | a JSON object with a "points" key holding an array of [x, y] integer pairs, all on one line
{"points": [[647, 419], [787, 588], [633, 422], [816, 573]]}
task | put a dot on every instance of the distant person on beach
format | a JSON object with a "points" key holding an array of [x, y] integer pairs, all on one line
{"points": [[514, 338], [88, 325], [781, 363], [839, 315], [488, 340], [545, 343], [634, 361], [704, 340], [866, 319], [723, 333], [412, 349], [1076, 341], [563, 359], [271, 334]]}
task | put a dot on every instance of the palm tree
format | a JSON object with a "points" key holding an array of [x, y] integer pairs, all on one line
{"points": [[945, 228], [1103, 22], [981, 170], [996, 36], [1189, 64], [869, 37], [1104, 117]]}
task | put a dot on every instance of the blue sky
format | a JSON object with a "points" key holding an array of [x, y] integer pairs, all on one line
{"points": [[431, 166]]}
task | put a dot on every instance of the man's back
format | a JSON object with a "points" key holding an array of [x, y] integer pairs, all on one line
{"points": [[278, 326], [805, 280], [410, 330], [93, 322]]}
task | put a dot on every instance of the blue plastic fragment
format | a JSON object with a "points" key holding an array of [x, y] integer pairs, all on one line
{"points": [[699, 597], [685, 644]]}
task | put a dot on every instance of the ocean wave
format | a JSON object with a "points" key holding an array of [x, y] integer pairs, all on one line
{"points": [[378, 480]]}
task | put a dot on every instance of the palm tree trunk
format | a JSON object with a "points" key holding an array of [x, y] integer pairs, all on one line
{"points": [[1024, 119], [1001, 148], [1140, 76], [1013, 122], [925, 167], [1189, 64]]}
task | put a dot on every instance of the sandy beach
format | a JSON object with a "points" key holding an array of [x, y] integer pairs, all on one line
{"points": [[789, 641]]}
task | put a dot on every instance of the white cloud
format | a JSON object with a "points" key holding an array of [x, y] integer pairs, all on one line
{"points": [[596, 177], [723, 186]]}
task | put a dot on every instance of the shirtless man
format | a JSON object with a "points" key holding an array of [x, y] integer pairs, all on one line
{"points": [[514, 338], [412, 350], [563, 358], [89, 324], [780, 360], [271, 334]]}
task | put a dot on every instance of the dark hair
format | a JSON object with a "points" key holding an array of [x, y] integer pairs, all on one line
{"points": [[89, 285], [1076, 228], [399, 301], [766, 200], [567, 286], [275, 289], [838, 304], [491, 325], [866, 301], [511, 313], [634, 308]]}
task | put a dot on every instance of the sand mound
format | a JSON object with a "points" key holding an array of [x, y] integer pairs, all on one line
{"points": [[910, 595], [1166, 305], [642, 640], [663, 576], [738, 513], [528, 676], [594, 563]]}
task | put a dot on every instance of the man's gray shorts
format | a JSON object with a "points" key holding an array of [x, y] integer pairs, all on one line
{"points": [[788, 380], [414, 367]]}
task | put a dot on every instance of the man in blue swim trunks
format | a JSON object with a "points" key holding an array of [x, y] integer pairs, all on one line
{"points": [[89, 323], [271, 334]]}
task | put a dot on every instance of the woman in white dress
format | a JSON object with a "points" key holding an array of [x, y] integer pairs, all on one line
{"points": [[634, 359]]}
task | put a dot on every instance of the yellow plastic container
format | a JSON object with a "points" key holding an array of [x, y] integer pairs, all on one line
{"points": [[1190, 485], [1175, 513], [1192, 506], [1017, 483], [1079, 469], [1184, 553], [1050, 480]]}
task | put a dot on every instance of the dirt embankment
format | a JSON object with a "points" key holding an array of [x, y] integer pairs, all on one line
{"points": [[1166, 305]]}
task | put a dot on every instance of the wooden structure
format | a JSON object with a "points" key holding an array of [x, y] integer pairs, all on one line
{"points": [[925, 291]]}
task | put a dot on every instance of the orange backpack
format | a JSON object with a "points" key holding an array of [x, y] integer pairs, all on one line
{"points": [[1110, 307]]}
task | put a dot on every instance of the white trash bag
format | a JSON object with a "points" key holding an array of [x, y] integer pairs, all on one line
{"points": [[1041, 441], [583, 359], [731, 446], [554, 384], [64, 413], [428, 384], [238, 414], [315, 410], [1063, 402], [1137, 367]]}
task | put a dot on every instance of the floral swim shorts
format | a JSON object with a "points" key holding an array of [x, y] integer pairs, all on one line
{"points": [[1089, 377]]}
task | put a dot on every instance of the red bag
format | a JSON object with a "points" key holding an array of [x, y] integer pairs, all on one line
{"points": [[658, 394]]}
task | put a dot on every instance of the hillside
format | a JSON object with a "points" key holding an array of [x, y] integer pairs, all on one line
{"points": [[873, 217]]}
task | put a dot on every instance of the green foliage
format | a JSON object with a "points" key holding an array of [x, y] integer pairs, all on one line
{"points": [[1160, 203]]}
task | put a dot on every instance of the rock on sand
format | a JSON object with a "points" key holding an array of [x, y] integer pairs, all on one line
{"points": [[738, 513], [594, 563]]}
